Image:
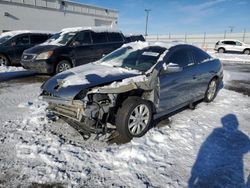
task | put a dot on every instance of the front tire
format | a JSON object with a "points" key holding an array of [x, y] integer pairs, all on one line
{"points": [[211, 90], [134, 117], [63, 66], [4, 60]]}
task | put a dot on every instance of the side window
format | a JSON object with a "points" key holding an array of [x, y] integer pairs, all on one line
{"points": [[22, 40], [183, 58], [200, 55], [37, 39], [83, 38], [115, 37], [229, 42], [238, 43], [99, 37]]}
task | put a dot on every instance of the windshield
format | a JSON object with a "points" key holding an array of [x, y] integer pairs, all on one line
{"points": [[60, 38], [4, 38], [138, 59]]}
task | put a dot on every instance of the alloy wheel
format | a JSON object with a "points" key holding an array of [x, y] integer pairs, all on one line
{"points": [[63, 67], [138, 119], [211, 89]]}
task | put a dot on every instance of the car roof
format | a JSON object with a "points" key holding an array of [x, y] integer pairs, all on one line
{"points": [[142, 44], [18, 32], [230, 40], [96, 29]]}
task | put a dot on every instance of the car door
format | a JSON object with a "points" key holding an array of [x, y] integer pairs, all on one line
{"points": [[82, 48], [100, 41], [176, 87], [204, 71], [19, 44], [238, 46], [230, 45]]}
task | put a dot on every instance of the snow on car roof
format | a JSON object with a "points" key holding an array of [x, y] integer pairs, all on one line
{"points": [[142, 44], [97, 29], [17, 32]]}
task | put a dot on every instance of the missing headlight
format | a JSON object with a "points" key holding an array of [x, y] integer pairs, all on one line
{"points": [[98, 97], [81, 95]]}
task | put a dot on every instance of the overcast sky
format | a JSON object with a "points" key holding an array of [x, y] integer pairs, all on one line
{"points": [[192, 16]]}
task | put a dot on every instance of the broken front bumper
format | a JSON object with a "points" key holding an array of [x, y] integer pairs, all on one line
{"points": [[73, 109]]}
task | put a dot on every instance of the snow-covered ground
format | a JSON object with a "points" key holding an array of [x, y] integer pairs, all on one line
{"points": [[36, 150], [232, 57], [208, 146]]}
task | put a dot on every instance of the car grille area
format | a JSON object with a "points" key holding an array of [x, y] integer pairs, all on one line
{"points": [[68, 111], [27, 57]]}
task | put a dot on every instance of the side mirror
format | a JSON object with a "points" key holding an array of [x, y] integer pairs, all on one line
{"points": [[172, 67]]}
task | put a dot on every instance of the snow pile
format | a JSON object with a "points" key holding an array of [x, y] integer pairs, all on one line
{"points": [[97, 29], [10, 69], [230, 57], [53, 153]]}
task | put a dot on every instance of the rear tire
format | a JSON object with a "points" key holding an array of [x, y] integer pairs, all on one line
{"points": [[63, 66], [4, 60], [246, 51], [221, 50], [211, 90], [134, 117]]}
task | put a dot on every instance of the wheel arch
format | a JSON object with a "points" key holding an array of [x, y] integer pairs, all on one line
{"points": [[133, 94], [222, 48]]}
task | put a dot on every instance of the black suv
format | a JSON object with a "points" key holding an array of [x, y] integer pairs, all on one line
{"points": [[133, 38], [70, 48], [13, 43]]}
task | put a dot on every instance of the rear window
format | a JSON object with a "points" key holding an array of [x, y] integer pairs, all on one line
{"points": [[115, 37], [37, 39], [99, 37]]}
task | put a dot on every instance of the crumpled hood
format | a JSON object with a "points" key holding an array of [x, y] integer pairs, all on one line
{"points": [[40, 48], [69, 83]]}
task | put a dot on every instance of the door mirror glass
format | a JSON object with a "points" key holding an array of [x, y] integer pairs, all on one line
{"points": [[172, 67]]}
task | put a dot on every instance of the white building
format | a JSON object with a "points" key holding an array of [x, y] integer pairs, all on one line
{"points": [[52, 15]]}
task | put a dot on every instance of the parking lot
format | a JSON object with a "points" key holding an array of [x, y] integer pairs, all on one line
{"points": [[36, 149]]}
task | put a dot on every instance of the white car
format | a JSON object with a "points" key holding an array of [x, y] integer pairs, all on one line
{"points": [[232, 46]]}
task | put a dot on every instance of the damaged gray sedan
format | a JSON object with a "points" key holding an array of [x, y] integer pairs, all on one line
{"points": [[132, 86]]}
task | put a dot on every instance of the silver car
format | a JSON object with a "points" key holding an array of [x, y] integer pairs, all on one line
{"points": [[132, 86], [223, 46]]}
